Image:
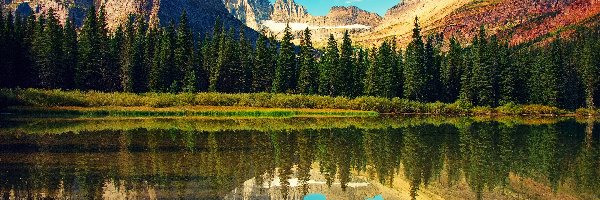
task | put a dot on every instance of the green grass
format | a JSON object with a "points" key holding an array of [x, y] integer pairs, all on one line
{"points": [[99, 104]]}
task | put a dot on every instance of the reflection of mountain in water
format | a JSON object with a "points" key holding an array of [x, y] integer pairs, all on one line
{"points": [[465, 159]]}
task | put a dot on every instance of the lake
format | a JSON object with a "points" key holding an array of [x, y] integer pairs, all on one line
{"points": [[287, 158]]}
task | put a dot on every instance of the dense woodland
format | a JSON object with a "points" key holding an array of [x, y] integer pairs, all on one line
{"points": [[41, 52]]}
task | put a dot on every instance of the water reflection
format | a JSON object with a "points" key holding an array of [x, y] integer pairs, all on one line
{"points": [[463, 159]]}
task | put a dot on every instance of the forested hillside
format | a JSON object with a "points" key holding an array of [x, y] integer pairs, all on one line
{"points": [[42, 53]]}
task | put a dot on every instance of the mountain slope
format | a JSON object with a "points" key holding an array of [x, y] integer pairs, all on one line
{"points": [[201, 13], [518, 21]]}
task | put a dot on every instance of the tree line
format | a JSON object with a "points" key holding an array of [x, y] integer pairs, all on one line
{"points": [[41, 52]]}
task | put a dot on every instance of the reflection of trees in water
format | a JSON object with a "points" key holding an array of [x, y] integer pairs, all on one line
{"points": [[181, 162]]}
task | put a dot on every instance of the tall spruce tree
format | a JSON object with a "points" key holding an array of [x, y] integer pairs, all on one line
{"points": [[116, 47], [432, 71], [415, 77], [227, 64], [49, 59], [359, 72], [184, 55], [70, 53], [344, 81], [285, 73], [308, 78], [246, 56], [263, 71], [201, 73], [330, 65], [483, 71], [452, 71], [90, 52]]}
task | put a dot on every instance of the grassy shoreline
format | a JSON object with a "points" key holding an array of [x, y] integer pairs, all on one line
{"points": [[99, 104]]}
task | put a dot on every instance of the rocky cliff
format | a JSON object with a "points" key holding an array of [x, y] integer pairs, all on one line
{"points": [[202, 14], [251, 12]]}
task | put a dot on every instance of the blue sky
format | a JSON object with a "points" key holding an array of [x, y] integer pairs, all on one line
{"points": [[321, 7]]}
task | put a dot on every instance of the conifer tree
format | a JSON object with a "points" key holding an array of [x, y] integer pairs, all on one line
{"points": [[90, 52], [467, 88], [49, 59], [9, 44], [483, 72], [70, 54], [452, 71], [201, 74], [116, 46], [397, 69], [184, 55], [344, 81], [108, 72], [212, 50], [330, 66], [432, 71], [285, 73], [309, 76], [4, 76], [359, 72], [227, 63], [509, 80], [263, 70], [589, 69], [415, 78], [246, 56]]}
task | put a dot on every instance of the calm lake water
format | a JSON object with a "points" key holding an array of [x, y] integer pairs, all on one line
{"points": [[343, 158]]}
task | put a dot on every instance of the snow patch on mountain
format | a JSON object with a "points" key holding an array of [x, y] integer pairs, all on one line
{"points": [[279, 27]]}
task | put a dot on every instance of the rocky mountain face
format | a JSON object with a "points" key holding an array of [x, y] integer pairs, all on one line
{"points": [[202, 14], [288, 11], [272, 19], [251, 12], [515, 20]]}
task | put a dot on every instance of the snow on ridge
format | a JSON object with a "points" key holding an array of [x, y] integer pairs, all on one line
{"points": [[279, 26]]}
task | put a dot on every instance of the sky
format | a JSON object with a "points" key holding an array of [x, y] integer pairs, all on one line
{"points": [[321, 7]]}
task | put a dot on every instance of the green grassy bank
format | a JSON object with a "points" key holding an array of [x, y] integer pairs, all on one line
{"points": [[58, 102]]}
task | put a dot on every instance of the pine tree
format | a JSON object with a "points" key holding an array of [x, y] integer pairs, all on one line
{"points": [[483, 72], [330, 66], [70, 54], [543, 82], [9, 44], [452, 71], [49, 59], [4, 76], [286, 74], [212, 50], [397, 68], [381, 74], [509, 80], [201, 74], [90, 52], [432, 71], [309, 76], [589, 69], [344, 81], [415, 77], [467, 88], [184, 55], [164, 62], [227, 65], [246, 61], [263, 70], [359, 73], [108, 72], [116, 47]]}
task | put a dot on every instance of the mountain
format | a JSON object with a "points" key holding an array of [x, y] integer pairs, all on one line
{"points": [[518, 21], [288, 11], [251, 12], [202, 14], [272, 19]]}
